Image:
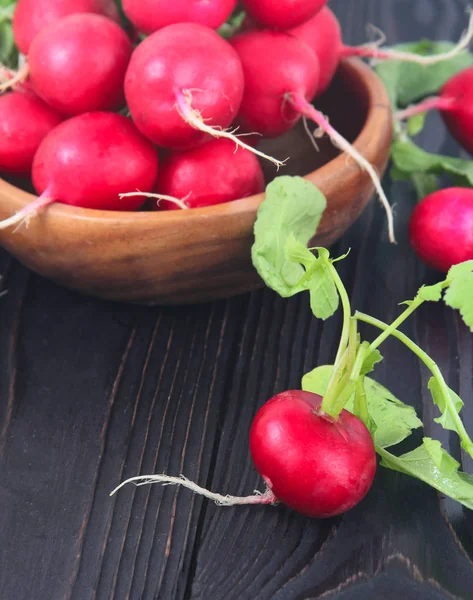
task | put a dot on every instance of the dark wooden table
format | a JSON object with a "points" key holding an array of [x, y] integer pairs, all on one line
{"points": [[93, 392]]}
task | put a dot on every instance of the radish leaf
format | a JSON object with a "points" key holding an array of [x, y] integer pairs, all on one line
{"points": [[407, 82], [446, 419], [433, 465], [293, 206], [460, 290]]}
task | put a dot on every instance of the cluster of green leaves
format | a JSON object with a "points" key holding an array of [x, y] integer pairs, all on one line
{"points": [[8, 51], [408, 83], [286, 222]]}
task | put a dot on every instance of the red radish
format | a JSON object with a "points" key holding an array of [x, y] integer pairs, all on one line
{"points": [[213, 173], [455, 105], [441, 228], [183, 83], [88, 161], [323, 34], [278, 93], [283, 14], [33, 15], [290, 65], [25, 121], [150, 15], [314, 464], [78, 64]]}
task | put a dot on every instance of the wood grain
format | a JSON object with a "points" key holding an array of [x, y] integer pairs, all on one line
{"points": [[92, 392]]}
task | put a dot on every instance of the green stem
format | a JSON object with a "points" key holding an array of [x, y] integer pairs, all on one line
{"points": [[346, 311], [390, 329], [361, 405], [467, 443]]}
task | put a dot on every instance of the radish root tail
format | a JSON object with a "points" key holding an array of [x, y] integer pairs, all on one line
{"points": [[306, 109], [266, 497], [195, 119], [24, 216], [11, 79], [434, 102], [159, 197], [374, 52]]}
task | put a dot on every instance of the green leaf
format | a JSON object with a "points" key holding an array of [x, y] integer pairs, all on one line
{"points": [[445, 419], [8, 51], [292, 208], [371, 359], [416, 124], [324, 298], [433, 465], [411, 160], [431, 293], [459, 294], [394, 420], [407, 82]]}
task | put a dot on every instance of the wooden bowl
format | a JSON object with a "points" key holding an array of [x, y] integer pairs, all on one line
{"points": [[179, 257]]}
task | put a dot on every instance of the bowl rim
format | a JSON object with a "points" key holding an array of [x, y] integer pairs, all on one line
{"points": [[377, 98]]}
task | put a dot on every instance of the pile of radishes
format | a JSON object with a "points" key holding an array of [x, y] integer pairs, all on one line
{"points": [[106, 116]]}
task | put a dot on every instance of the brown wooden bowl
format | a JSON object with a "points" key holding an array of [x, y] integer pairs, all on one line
{"points": [[178, 257]]}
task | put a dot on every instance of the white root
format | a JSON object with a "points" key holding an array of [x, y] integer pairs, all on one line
{"points": [[159, 197], [194, 118], [266, 497]]}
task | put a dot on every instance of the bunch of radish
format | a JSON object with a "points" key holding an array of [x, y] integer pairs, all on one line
{"points": [[104, 116]]}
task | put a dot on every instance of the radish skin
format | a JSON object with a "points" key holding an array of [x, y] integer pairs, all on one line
{"points": [[318, 466], [283, 14], [441, 228], [150, 15], [25, 122], [184, 58], [71, 78], [31, 16], [213, 173], [87, 161]]}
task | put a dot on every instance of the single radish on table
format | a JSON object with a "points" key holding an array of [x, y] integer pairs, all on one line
{"points": [[283, 14], [279, 92], [183, 83], [317, 465], [150, 15], [33, 15], [25, 121], [455, 103], [87, 161], [78, 64], [441, 228]]}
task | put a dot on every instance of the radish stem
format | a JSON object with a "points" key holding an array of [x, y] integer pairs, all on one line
{"points": [[194, 118], [375, 53], [266, 497], [299, 102], [467, 443], [25, 214], [435, 102]]}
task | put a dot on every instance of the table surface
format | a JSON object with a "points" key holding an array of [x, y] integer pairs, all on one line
{"points": [[94, 392]]}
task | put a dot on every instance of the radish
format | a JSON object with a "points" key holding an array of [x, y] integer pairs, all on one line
{"points": [[441, 228], [455, 105], [323, 34], [278, 93], [150, 15], [25, 121], [183, 83], [33, 15], [78, 64], [209, 174], [315, 464], [311, 462], [88, 161], [283, 14]]}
